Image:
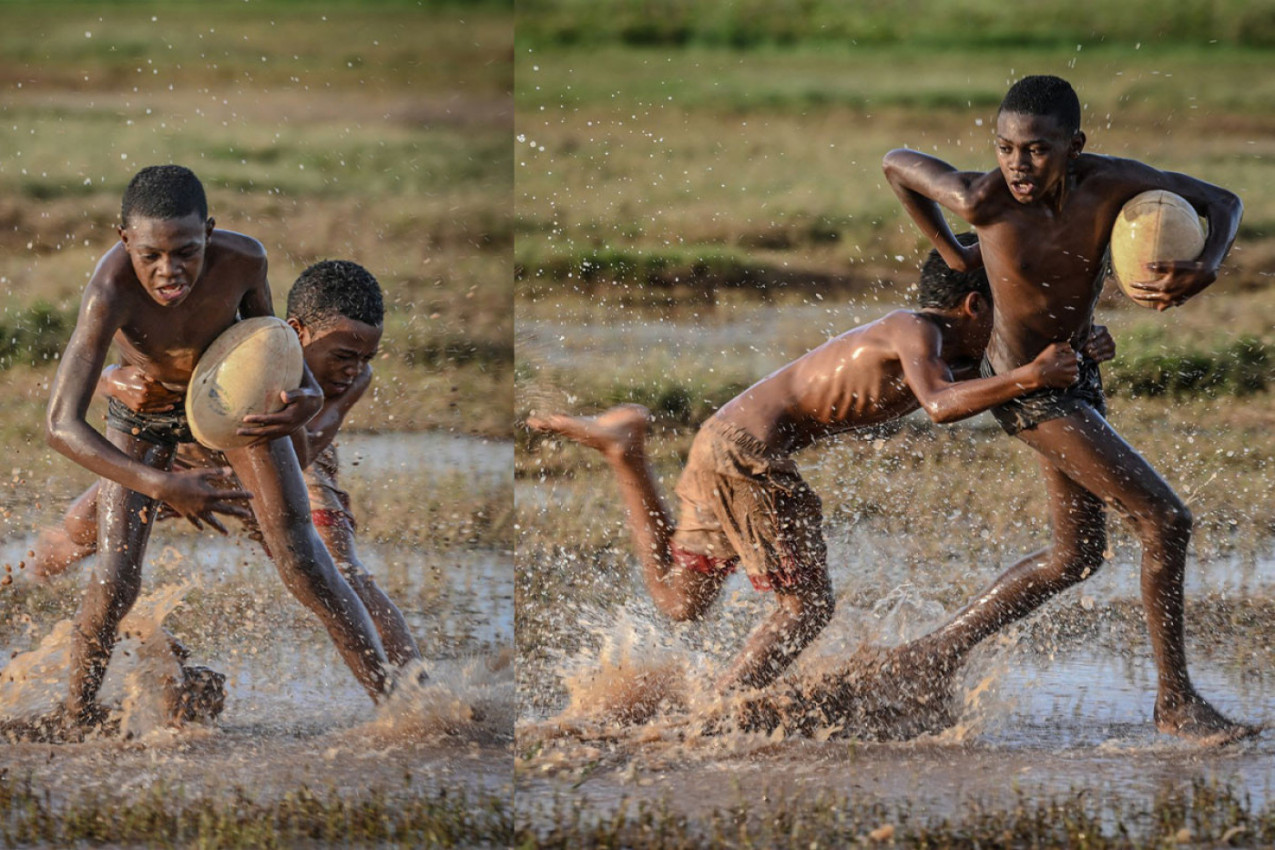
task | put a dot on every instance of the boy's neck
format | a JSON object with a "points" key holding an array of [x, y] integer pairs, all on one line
{"points": [[952, 327]]}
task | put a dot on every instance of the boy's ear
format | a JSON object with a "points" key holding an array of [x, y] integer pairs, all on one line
{"points": [[119, 228], [1077, 143], [975, 304], [209, 226], [303, 333]]}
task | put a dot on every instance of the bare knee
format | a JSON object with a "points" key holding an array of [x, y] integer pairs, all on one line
{"points": [[1168, 520], [811, 610], [1078, 562]]}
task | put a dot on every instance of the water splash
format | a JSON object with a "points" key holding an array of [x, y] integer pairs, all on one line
{"points": [[147, 692]]}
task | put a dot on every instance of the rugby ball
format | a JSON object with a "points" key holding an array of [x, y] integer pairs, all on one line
{"points": [[242, 372], [1155, 226]]}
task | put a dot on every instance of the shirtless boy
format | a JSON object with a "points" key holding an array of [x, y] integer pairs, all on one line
{"points": [[162, 294], [1043, 218], [742, 499], [337, 310]]}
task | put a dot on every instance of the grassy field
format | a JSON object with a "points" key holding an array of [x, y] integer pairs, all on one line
{"points": [[324, 130]]}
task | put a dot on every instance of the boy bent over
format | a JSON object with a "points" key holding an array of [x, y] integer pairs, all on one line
{"points": [[742, 499], [337, 309], [168, 288]]}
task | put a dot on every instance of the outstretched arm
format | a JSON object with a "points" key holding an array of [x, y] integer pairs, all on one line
{"points": [[66, 427], [925, 185], [944, 399]]}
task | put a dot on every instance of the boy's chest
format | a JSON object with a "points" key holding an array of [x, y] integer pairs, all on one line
{"points": [[1048, 251], [170, 343]]}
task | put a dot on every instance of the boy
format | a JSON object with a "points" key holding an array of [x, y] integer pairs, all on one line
{"points": [[168, 288], [1043, 219], [742, 499], [338, 312]]}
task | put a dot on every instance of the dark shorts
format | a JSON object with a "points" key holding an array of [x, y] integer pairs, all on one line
{"points": [[1028, 411], [164, 429]]}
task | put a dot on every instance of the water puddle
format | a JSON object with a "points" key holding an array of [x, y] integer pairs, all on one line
{"points": [[293, 713]]}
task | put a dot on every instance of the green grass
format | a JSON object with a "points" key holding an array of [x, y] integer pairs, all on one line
{"points": [[171, 817], [1203, 813], [749, 24]]}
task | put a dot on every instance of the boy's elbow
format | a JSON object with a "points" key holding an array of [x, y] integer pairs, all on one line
{"points": [[942, 414]]}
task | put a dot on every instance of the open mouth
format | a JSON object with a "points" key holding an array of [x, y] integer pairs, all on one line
{"points": [[170, 292]]}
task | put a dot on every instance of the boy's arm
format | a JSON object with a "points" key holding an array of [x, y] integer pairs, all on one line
{"points": [[1222, 209], [192, 494], [137, 390], [924, 185], [299, 405], [310, 441], [944, 399]]}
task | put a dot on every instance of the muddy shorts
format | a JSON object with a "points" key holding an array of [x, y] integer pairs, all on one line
{"points": [[1028, 411], [329, 504], [169, 428], [738, 505]]}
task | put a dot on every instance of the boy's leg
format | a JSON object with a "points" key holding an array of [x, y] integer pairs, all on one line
{"points": [[396, 637], [271, 473], [125, 519], [1078, 521], [59, 547], [1087, 451], [800, 615], [620, 435]]}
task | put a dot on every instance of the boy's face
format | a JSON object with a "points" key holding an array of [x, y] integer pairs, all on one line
{"points": [[338, 351], [1032, 152], [167, 254]]}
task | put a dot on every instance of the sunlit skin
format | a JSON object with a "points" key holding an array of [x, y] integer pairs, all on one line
{"points": [[161, 295], [866, 376], [1043, 218], [339, 354]]}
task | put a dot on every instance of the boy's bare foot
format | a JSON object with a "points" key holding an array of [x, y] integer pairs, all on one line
{"points": [[615, 432], [55, 551], [1200, 722]]}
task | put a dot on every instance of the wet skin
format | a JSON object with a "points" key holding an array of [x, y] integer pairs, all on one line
{"points": [[165, 291], [339, 354], [864, 377], [1043, 219]]}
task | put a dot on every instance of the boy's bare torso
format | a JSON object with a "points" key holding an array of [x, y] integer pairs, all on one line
{"points": [[852, 381], [165, 342], [1044, 263]]}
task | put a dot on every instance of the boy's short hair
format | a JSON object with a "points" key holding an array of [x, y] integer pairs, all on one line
{"points": [[943, 287], [1044, 94], [163, 191], [330, 289]]}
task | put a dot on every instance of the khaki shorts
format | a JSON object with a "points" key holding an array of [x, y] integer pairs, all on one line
{"points": [[739, 505]]}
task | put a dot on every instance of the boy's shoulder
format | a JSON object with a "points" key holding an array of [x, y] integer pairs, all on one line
{"points": [[896, 331], [232, 246]]}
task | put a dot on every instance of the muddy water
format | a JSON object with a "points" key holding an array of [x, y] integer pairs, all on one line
{"points": [[294, 714], [616, 711]]}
